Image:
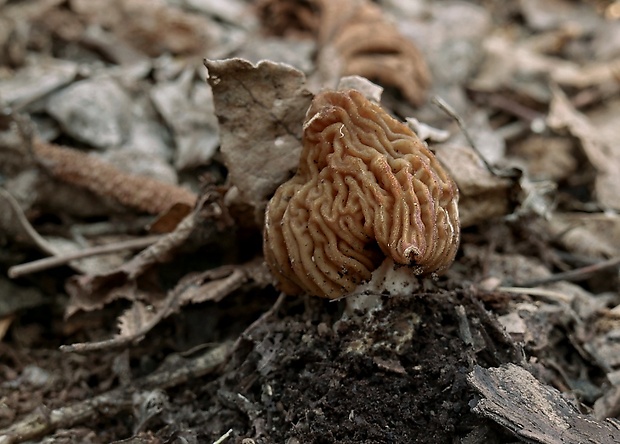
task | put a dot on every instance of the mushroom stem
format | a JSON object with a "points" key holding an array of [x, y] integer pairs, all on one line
{"points": [[389, 279]]}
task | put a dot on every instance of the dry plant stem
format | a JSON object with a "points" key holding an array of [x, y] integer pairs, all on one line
{"points": [[103, 179], [274, 309], [574, 275], [25, 224], [446, 108], [515, 108], [43, 422], [554, 296], [224, 437], [169, 306], [56, 261]]}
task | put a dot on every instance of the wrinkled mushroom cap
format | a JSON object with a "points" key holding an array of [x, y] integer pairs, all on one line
{"points": [[366, 188]]}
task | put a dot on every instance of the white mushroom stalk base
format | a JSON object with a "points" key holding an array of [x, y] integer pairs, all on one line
{"points": [[389, 279]]}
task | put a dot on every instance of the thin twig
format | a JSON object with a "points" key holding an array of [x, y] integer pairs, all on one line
{"points": [[446, 108], [56, 261], [578, 274], [166, 310], [540, 292], [25, 224], [229, 277], [224, 437], [274, 308]]}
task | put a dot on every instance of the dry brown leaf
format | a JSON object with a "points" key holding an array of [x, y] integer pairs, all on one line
{"points": [[152, 26], [5, 323], [16, 298], [81, 170], [594, 236], [369, 45], [92, 291], [261, 109], [483, 196], [216, 285], [600, 152], [288, 18], [546, 158], [522, 67], [354, 38], [211, 285], [134, 319]]}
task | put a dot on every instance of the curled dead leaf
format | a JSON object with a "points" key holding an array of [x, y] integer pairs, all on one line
{"points": [[354, 38], [260, 109], [103, 179]]}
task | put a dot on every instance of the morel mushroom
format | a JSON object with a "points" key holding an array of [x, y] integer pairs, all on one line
{"points": [[366, 189]]}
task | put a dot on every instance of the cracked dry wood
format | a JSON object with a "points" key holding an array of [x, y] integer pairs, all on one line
{"points": [[535, 412]]}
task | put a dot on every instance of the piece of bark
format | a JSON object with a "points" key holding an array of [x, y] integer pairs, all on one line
{"points": [[534, 412]]}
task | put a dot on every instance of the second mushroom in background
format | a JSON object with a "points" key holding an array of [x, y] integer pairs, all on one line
{"points": [[367, 191]]}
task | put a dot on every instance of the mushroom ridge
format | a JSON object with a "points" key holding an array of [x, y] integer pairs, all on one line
{"points": [[366, 188]]}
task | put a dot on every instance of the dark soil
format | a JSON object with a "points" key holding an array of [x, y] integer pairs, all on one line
{"points": [[394, 376]]}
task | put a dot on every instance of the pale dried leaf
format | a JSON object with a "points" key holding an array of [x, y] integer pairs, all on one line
{"points": [[35, 81], [297, 53], [187, 107], [261, 109], [152, 26], [520, 66], [507, 268], [483, 195], [594, 236], [599, 151], [215, 290], [552, 14], [134, 319], [94, 111]]}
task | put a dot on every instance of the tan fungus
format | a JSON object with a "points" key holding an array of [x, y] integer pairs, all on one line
{"points": [[366, 188]]}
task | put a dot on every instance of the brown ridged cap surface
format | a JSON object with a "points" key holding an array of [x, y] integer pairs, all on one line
{"points": [[366, 188]]}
